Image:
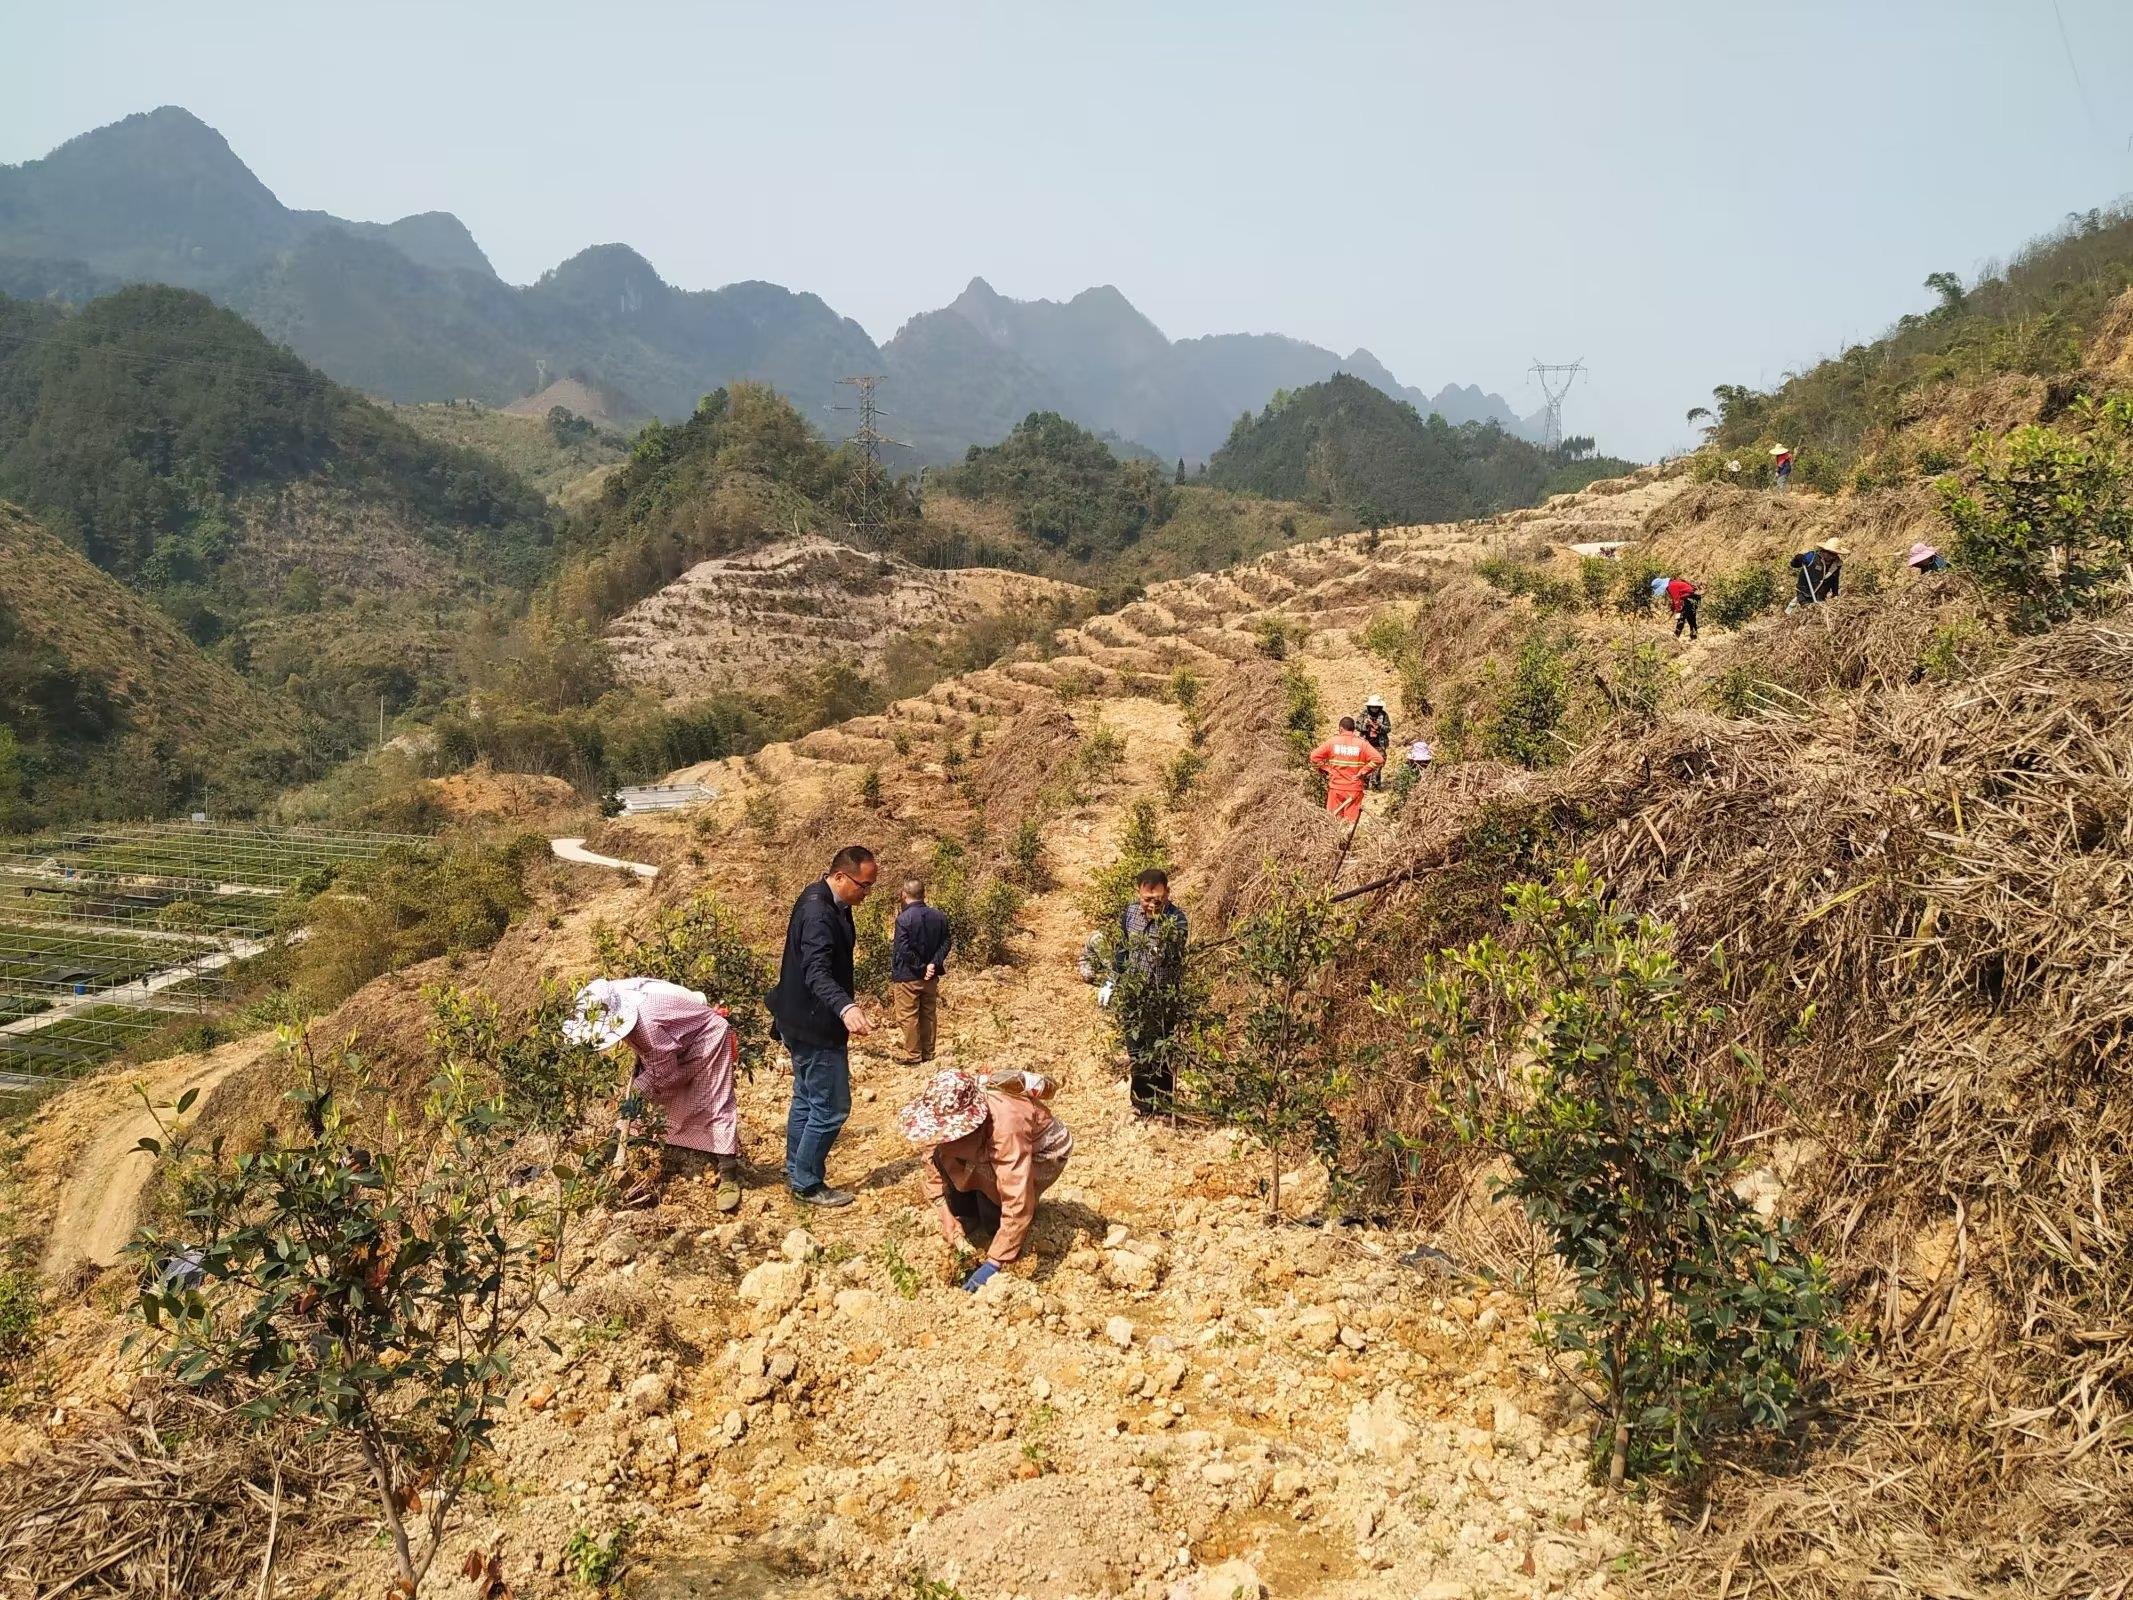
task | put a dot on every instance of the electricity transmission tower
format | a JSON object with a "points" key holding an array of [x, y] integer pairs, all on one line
{"points": [[870, 439], [1552, 429]]}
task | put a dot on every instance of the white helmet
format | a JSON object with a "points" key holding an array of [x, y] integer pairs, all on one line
{"points": [[1375, 703]]}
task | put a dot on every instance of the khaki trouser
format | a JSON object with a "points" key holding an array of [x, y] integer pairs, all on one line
{"points": [[917, 1007]]}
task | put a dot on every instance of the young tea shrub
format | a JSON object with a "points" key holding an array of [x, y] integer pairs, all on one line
{"points": [[1272, 636], [1594, 574], [19, 1316], [1274, 1068], [1738, 692], [870, 788], [1181, 773], [1141, 845], [1530, 708], [1633, 585], [760, 812], [1025, 856], [1102, 752], [701, 945], [1303, 713], [1574, 1052], [370, 1283], [2046, 530], [1740, 596], [1956, 650], [1184, 689], [1386, 636], [1643, 677], [986, 923]]}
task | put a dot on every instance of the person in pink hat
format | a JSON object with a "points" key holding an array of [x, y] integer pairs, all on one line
{"points": [[1924, 559], [686, 1051], [992, 1148]]}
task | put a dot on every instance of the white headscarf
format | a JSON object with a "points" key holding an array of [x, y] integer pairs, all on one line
{"points": [[607, 1009]]}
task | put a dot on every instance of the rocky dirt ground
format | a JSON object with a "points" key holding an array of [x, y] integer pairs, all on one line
{"points": [[1171, 1397]]}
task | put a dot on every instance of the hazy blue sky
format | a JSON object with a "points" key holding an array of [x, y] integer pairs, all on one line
{"points": [[1681, 193]]}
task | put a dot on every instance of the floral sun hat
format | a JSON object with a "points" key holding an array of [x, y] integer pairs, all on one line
{"points": [[951, 1105], [606, 1012]]}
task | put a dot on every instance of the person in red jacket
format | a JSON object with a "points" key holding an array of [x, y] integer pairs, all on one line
{"points": [[1346, 759], [1682, 598]]}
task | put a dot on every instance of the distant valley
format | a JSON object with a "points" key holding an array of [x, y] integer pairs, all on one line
{"points": [[413, 311]]}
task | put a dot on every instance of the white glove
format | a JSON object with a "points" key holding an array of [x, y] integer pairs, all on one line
{"points": [[1103, 995]]}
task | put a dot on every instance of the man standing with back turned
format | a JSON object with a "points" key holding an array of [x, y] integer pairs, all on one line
{"points": [[918, 955], [816, 1017]]}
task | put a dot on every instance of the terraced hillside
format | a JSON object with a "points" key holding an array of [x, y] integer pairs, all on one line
{"points": [[803, 603], [1174, 1399]]}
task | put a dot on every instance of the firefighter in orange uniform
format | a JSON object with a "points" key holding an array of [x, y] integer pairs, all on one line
{"points": [[1346, 759]]}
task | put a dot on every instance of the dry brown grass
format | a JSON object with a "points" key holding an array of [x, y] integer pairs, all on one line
{"points": [[1924, 893], [173, 1500]]}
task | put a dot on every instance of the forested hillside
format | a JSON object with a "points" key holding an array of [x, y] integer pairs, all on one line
{"points": [[107, 709], [2017, 325], [1066, 488], [1344, 444], [184, 454]]}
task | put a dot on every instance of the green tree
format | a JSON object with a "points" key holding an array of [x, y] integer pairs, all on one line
{"points": [[1575, 1052], [2046, 528], [1276, 1066], [1949, 286], [370, 1283]]}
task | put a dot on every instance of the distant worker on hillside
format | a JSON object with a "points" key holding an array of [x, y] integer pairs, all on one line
{"points": [[1783, 459], [816, 1017], [686, 1051], [1683, 597], [1924, 559], [918, 955], [1817, 573], [1346, 759], [1147, 989], [993, 1147], [1375, 725], [1419, 756]]}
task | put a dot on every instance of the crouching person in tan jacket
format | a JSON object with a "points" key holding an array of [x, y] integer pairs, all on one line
{"points": [[992, 1148]]}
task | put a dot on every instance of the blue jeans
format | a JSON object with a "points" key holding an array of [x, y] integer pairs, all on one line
{"points": [[821, 1100]]}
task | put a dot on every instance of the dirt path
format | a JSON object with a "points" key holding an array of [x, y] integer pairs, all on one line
{"points": [[1166, 1399], [99, 1207]]}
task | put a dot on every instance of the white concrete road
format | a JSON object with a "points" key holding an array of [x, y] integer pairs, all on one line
{"points": [[574, 850]]}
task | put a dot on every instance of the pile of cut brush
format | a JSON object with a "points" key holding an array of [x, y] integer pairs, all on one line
{"points": [[1923, 891], [172, 1499]]}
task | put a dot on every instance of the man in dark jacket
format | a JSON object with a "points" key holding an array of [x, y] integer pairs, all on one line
{"points": [[816, 1017], [1148, 978], [918, 955], [1375, 725], [1817, 573]]}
